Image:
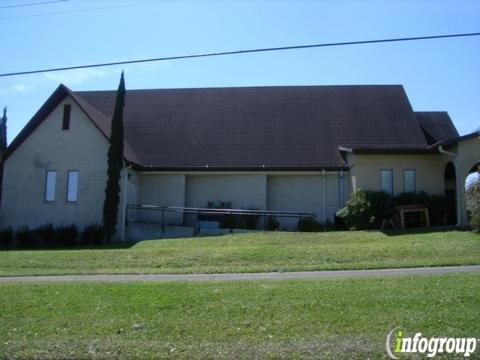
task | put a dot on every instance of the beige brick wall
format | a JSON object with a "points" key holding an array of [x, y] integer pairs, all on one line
{"points": [[365, 171], [304, 193], [242, 190], [161, 190], [81, 148]]}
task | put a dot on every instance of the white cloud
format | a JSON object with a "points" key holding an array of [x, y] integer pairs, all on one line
{"points": [[16, 88], [19, 87], [76, 76]]}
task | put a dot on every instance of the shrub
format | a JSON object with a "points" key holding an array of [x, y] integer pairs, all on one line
{"points": [[24, 237], [436, 205], [248, 221], [381, 203], [357, 214], [368, 208], [309, 225], [473, 204], [6, 237], [272, 224], [93, 235], [339, 223], [219, 205], [45, 235], [67, 235], [227, 221]]}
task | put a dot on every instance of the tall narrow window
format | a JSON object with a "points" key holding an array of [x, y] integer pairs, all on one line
{"points": [[386, 181], [72, 186], [50, 183], [67, 109], [409, 180]]}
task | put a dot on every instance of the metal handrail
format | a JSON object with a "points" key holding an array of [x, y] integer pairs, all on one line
{"points": [[191, 210], [211, 211]]}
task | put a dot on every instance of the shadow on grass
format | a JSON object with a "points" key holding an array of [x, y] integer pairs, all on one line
{"points": [[422, 230], [110, 246]]}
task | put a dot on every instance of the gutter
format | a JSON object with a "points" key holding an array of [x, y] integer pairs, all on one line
{"points": [[324, 200], [457, 185], [124, 213]]}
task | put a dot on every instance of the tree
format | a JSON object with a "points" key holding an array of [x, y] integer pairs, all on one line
{"points": [[473, 202], [115, 164], [357, 213], [3, 146]]}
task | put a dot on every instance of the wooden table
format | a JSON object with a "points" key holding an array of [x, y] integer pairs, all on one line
{"points": [[413, 209]]}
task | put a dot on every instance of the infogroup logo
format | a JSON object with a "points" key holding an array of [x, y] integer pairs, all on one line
{"points": [[398, 343]]}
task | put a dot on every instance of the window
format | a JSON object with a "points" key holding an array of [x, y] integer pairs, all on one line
{"points": [[386, 181], [67, 109], [50, 183], [409, 180], [72, 186]]}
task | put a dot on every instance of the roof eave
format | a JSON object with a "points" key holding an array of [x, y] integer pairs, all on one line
{"points": [[236, 168]]}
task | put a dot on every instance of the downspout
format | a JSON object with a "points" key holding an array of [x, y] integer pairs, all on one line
{"points": [[124, 213], [457, 185], [324, 201], [341, 187]]}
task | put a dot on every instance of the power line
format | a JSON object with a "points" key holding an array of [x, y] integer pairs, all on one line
{"points": [[31, 4], [87, 9], [237, 52]]}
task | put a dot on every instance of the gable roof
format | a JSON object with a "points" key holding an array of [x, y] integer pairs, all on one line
{"points": [[98, 119], [288, 127], [436, 125], [255, 128]]}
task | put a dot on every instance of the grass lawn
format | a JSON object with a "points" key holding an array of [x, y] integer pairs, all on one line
{"points": [[254, 252], [341, 318]]}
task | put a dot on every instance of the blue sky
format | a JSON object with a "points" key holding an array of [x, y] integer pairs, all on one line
{"points": [[437, 74]]}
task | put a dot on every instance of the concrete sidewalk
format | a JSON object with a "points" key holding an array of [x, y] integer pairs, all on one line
{"points": [[246, 276]]}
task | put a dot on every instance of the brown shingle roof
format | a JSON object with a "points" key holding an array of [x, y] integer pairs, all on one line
{"points": [[437, 126], [257, 128], [290, 127]]}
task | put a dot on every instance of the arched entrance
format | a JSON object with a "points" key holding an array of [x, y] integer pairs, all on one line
{"points": [[450, 193], [473, 175]]}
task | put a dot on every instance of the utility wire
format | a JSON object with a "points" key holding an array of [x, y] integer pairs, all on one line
{"points": [[31, 4], [87, 9], [237, 52]]}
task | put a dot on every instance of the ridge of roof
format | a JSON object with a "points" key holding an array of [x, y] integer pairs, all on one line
{"points": [[244, 88]]}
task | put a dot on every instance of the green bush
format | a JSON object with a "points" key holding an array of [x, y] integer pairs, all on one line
{"points": [[67, 235], [24, 237], [366, 209], [473, 204], [6, 237], [379, 201], [358, 213], [92, 235], [272, 224], [312, 225], [45, 235], [436, 205], [231, 221]]}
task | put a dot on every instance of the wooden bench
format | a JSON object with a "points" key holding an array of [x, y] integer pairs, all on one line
{"points": [[403, 209]]}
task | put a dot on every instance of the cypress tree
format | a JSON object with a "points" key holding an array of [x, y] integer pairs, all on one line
{"points": [[115, 164], [3, 146]]}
